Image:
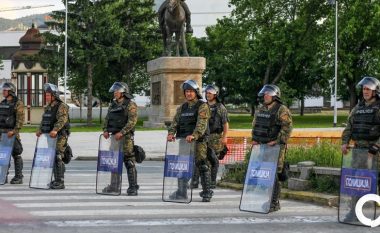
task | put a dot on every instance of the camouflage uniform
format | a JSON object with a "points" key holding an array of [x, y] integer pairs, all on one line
{"points": [[199, 132], [17, 148], [283, 119], [359, 161], [61, 124], [128, 143]]}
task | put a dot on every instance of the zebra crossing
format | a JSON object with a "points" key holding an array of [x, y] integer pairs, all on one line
{"points": [[79, 206]]}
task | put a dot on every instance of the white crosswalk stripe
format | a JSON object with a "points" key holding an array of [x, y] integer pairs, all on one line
{"points": [[79, 205]]}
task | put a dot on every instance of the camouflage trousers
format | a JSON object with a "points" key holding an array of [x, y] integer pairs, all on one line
{"points": [[281, 158], [61, 146], [128, 148], [201, 154], [214, 142]]}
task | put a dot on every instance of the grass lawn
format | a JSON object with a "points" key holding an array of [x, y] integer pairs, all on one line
{"points": [[317, 120], [237, 121]]}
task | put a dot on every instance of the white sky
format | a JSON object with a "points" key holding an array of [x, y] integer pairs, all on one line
{"points": [[205, 12]]}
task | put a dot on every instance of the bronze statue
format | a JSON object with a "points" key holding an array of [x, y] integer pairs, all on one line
{"points": [[173, 14]]}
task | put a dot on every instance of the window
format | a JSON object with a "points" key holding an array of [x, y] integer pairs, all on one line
{"points": [[35, 98]]}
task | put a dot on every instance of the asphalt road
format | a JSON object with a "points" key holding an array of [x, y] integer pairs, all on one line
{"points": [[79, 209]]}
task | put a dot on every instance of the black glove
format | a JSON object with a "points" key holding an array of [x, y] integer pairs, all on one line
{"points": [[373, 149]]}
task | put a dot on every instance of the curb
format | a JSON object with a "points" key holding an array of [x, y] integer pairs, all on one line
{"points": [[95, 158], [311, 197]]}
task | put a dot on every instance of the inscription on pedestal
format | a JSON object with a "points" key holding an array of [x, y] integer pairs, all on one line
{"points": [[156, 93], [179, 97]]}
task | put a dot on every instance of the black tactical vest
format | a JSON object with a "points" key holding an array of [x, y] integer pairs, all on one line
{"points": [[366, 124], [8, 114], [266, 129], [215, 123], [49, 118], [188, 121], [117, 116]]}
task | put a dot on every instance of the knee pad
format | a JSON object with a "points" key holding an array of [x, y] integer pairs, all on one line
{"points": [[203, 168], [129, 164], [16, 157]]}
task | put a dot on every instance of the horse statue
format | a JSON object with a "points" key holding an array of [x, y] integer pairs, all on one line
{"points": [[174, 22]]}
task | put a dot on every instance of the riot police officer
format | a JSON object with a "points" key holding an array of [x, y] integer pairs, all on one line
{"points": [[272, 125], [218, 125], [191, 122], [120, 121], [11, 121], [161, 15], [55, 122], [363, 126]]}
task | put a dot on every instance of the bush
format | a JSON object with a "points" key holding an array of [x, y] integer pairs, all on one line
{"points": [[324, 154]]}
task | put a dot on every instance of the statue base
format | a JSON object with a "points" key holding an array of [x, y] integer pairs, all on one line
{"points": [[167, 75]]}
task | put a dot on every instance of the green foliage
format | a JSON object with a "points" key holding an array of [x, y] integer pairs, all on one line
{"points": [[325, 184], [323, 154]]}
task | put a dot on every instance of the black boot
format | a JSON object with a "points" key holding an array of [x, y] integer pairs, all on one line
{"points": [[17, 179], [132, 178], [275, 204], [206, 193], [195, 180], [181, 193], [59, 171], [214, 174], [115, 184]]}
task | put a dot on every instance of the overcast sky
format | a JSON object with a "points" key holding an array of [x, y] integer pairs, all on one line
{"points": [[205, 12]]}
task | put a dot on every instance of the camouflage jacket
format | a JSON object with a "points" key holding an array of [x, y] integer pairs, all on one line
{"points": [[347, 132], [62, 115], [283, 118], [222, 112], [132, 118], [202, 121], [20, 116]]}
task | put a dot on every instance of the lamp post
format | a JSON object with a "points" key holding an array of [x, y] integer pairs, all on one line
{"points": [[335, 2], [65, 72]]}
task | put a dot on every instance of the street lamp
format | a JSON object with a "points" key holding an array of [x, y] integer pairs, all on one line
{"points": [[335, 2], [65, 73]]}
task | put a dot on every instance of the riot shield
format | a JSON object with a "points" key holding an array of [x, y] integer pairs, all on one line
{"points": [[43, 162], [110, 166], [6, 146], [259, 179], [359, 176], [178, 171]]}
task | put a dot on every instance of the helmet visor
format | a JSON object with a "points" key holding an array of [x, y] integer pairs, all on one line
{"points": [[211, 89], [368, 83], [48, 87], [117, 87], [267, 90], [189, 85]]}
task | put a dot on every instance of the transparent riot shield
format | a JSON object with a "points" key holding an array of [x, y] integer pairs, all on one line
{"points": [[6, 146], [359, 176], [259, 179], [43, 162], [110, 166], [178, 171]]}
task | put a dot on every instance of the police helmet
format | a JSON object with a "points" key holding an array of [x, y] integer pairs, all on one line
{"points": [[53, 89], [271, 90], [371, 83], [213, 90], [9, 87], [121, 87], [191, 85]]}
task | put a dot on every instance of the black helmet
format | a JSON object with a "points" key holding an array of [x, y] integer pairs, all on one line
{"points": [[191, 85], [53, 89], [213, 90], [371, 83], [271, 90], [121, 87], [9, 87]]}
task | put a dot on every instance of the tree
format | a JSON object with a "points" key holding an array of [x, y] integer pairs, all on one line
{"points": [[108, 41]]}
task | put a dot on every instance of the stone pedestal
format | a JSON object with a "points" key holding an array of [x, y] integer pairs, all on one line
{"points": [[167, 75]]}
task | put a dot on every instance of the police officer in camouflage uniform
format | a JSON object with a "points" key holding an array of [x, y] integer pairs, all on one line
{"points": [[272, 125], [363, 127], [11, 121], [120, 121], [218, 125], [191, 122], [56, 123], [161, 15]]}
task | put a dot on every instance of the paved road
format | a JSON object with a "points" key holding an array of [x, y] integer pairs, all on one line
{"points": [[79, 209]]}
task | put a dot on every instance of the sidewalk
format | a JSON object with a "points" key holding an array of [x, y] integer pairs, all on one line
{"points": [[85, 144]]}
